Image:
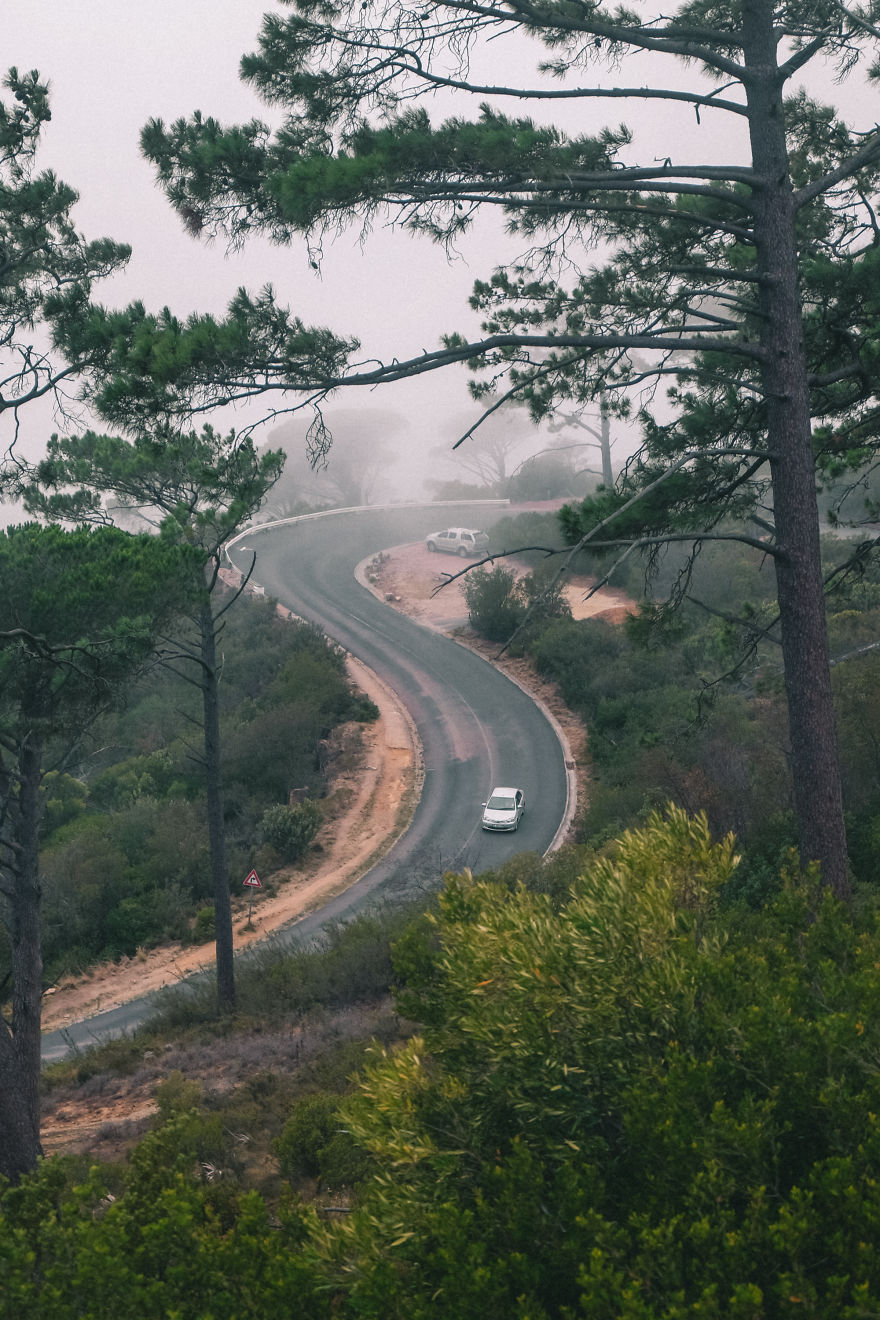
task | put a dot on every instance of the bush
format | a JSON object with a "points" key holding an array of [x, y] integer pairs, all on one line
{"points": [[496, 606], [177, 1095], [290, 830], [630, 1106], [314, 1144], [205, 924], [312, 1124]]}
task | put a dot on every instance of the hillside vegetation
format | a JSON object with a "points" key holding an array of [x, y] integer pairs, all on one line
{"points": [[622, 1097], [634, 1079], [688, 704], [124, 860]]}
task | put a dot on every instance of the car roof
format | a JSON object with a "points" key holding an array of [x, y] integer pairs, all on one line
{"points": [[502, 789]]}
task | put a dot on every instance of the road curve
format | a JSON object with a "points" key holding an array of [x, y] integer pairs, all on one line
{"points": [[477, 728]]}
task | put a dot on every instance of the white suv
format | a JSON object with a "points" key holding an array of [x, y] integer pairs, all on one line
{"points": [[462, 541]]}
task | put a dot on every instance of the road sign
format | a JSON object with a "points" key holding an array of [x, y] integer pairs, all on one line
{"points": [[252, 881]]}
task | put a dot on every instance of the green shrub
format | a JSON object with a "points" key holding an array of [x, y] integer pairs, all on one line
{"points": [[177, 1095], [495, 601], [204, 927], [312, 1124], [125, 860], [64, 798], [290, 830], [314, 1144], [342, 1162], [352, 964]]}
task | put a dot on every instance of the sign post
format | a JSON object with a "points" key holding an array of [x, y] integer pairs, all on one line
{"points": [[251, 882]]}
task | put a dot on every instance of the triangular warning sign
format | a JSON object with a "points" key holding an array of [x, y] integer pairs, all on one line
{"points": [[252, 881]]}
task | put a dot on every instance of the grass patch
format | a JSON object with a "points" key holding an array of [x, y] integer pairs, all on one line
{"points": [[351, 963]]}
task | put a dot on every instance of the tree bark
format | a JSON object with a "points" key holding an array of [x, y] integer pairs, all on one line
{"points": [[20, 1040], [216, 823], [814, 758]]}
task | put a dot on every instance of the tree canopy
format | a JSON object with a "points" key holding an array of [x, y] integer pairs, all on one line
{"points": [[45, 264]]}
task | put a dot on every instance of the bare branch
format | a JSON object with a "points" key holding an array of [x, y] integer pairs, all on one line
{"points": [[867, 154]]}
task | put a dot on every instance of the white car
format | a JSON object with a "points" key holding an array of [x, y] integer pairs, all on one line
{"points": [[504, 809], [462, 541]]}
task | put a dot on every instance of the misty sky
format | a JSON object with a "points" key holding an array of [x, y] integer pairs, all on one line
{"points": [[112, 65]]}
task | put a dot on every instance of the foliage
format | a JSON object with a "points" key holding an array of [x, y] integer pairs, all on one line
{"points": [[162, 1249], [290, 829], [314, 1144], [204, 483], [114, 883], [64, 798], [201, 488], [65, 639], [151, 367], [632, 1107], [311, 1125], [494, 600], [81, 615], [352, 962], [499, 602], [124, 860], [627, 1101], [44, 258]]}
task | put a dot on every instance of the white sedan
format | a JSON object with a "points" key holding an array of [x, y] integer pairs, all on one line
{"points": [[504, 809]]}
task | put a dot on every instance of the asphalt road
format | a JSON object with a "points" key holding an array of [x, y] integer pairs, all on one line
{"points": [[478, 729]]}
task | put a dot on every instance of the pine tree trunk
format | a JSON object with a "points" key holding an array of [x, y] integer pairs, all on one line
{"points": [[216, 825], [20, 1040], [814, 756]]}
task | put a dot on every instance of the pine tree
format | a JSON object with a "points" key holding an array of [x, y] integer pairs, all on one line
{"points": [[202, 488], [44, 262], [79, 618], [748, 286]]}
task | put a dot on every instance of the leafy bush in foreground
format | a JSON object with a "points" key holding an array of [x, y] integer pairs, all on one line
{"points": [[626, 1105], [632, 1107]]}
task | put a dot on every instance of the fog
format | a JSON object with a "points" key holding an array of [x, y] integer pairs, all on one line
{"points": [[379, 456]]}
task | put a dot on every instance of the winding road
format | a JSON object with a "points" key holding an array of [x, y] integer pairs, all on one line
{"points": [[476, 726]]}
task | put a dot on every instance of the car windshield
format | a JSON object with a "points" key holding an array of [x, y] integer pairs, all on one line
{"points": [[502, 803]]}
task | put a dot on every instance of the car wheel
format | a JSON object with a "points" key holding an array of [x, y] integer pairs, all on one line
{"points": [[462, 553], [432, 547]]}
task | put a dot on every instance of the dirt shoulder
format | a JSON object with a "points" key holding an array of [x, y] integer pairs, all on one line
{"points": [[374, 786], [374, 779], [417, 582]]}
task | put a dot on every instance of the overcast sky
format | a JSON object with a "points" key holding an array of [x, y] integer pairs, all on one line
{"points": [[113, 65]]}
